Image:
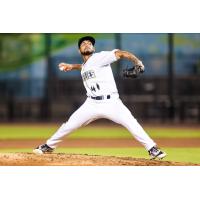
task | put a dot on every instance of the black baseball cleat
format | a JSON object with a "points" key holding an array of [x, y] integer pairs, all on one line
{"points": [[155, 152], [44, 148]]}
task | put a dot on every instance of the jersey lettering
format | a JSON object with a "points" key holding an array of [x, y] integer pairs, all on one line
{"points": [[88, 75]]}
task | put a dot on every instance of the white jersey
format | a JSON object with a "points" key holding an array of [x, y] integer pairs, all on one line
{"points": [[97, 74]]}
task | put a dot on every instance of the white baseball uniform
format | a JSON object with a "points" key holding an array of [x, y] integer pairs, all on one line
{"points": [[102, 101]]}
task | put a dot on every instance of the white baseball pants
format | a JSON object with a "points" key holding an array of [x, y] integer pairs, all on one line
{"points": [[112, 109]]}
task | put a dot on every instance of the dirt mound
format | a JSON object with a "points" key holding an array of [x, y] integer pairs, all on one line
{"points": [[61, 159]]}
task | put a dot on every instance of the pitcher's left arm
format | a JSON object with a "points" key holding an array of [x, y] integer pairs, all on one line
{"points": [[129, 56]]}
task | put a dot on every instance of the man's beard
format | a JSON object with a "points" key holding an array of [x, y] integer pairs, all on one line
{"points": [[87, 53]]}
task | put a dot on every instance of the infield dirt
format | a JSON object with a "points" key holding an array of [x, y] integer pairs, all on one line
{"points": [[95, 143], [61, 159]]}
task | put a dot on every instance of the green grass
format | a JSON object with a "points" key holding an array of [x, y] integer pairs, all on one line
{"points": [[173, 132], [174, 154], [26, 132], [45, 131]]}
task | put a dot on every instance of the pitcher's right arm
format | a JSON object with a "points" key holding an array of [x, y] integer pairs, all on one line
{"points": [[68, 67]]}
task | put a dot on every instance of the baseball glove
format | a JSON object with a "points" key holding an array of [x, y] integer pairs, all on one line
{"points": [[133, 72]]}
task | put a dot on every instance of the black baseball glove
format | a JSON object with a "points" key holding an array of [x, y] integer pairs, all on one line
{"points": [[133, 72]]}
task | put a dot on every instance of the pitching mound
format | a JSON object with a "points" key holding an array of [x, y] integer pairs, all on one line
{"points": [[61, 159]]}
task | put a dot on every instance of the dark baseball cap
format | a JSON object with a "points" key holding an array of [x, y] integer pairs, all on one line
{"points": [[90, 38]]}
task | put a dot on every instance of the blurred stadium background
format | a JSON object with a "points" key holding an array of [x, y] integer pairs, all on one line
{"points": [[32, 89]]}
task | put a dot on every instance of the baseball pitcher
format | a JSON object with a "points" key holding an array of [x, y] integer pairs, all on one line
{"points": [[102, 97]]}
